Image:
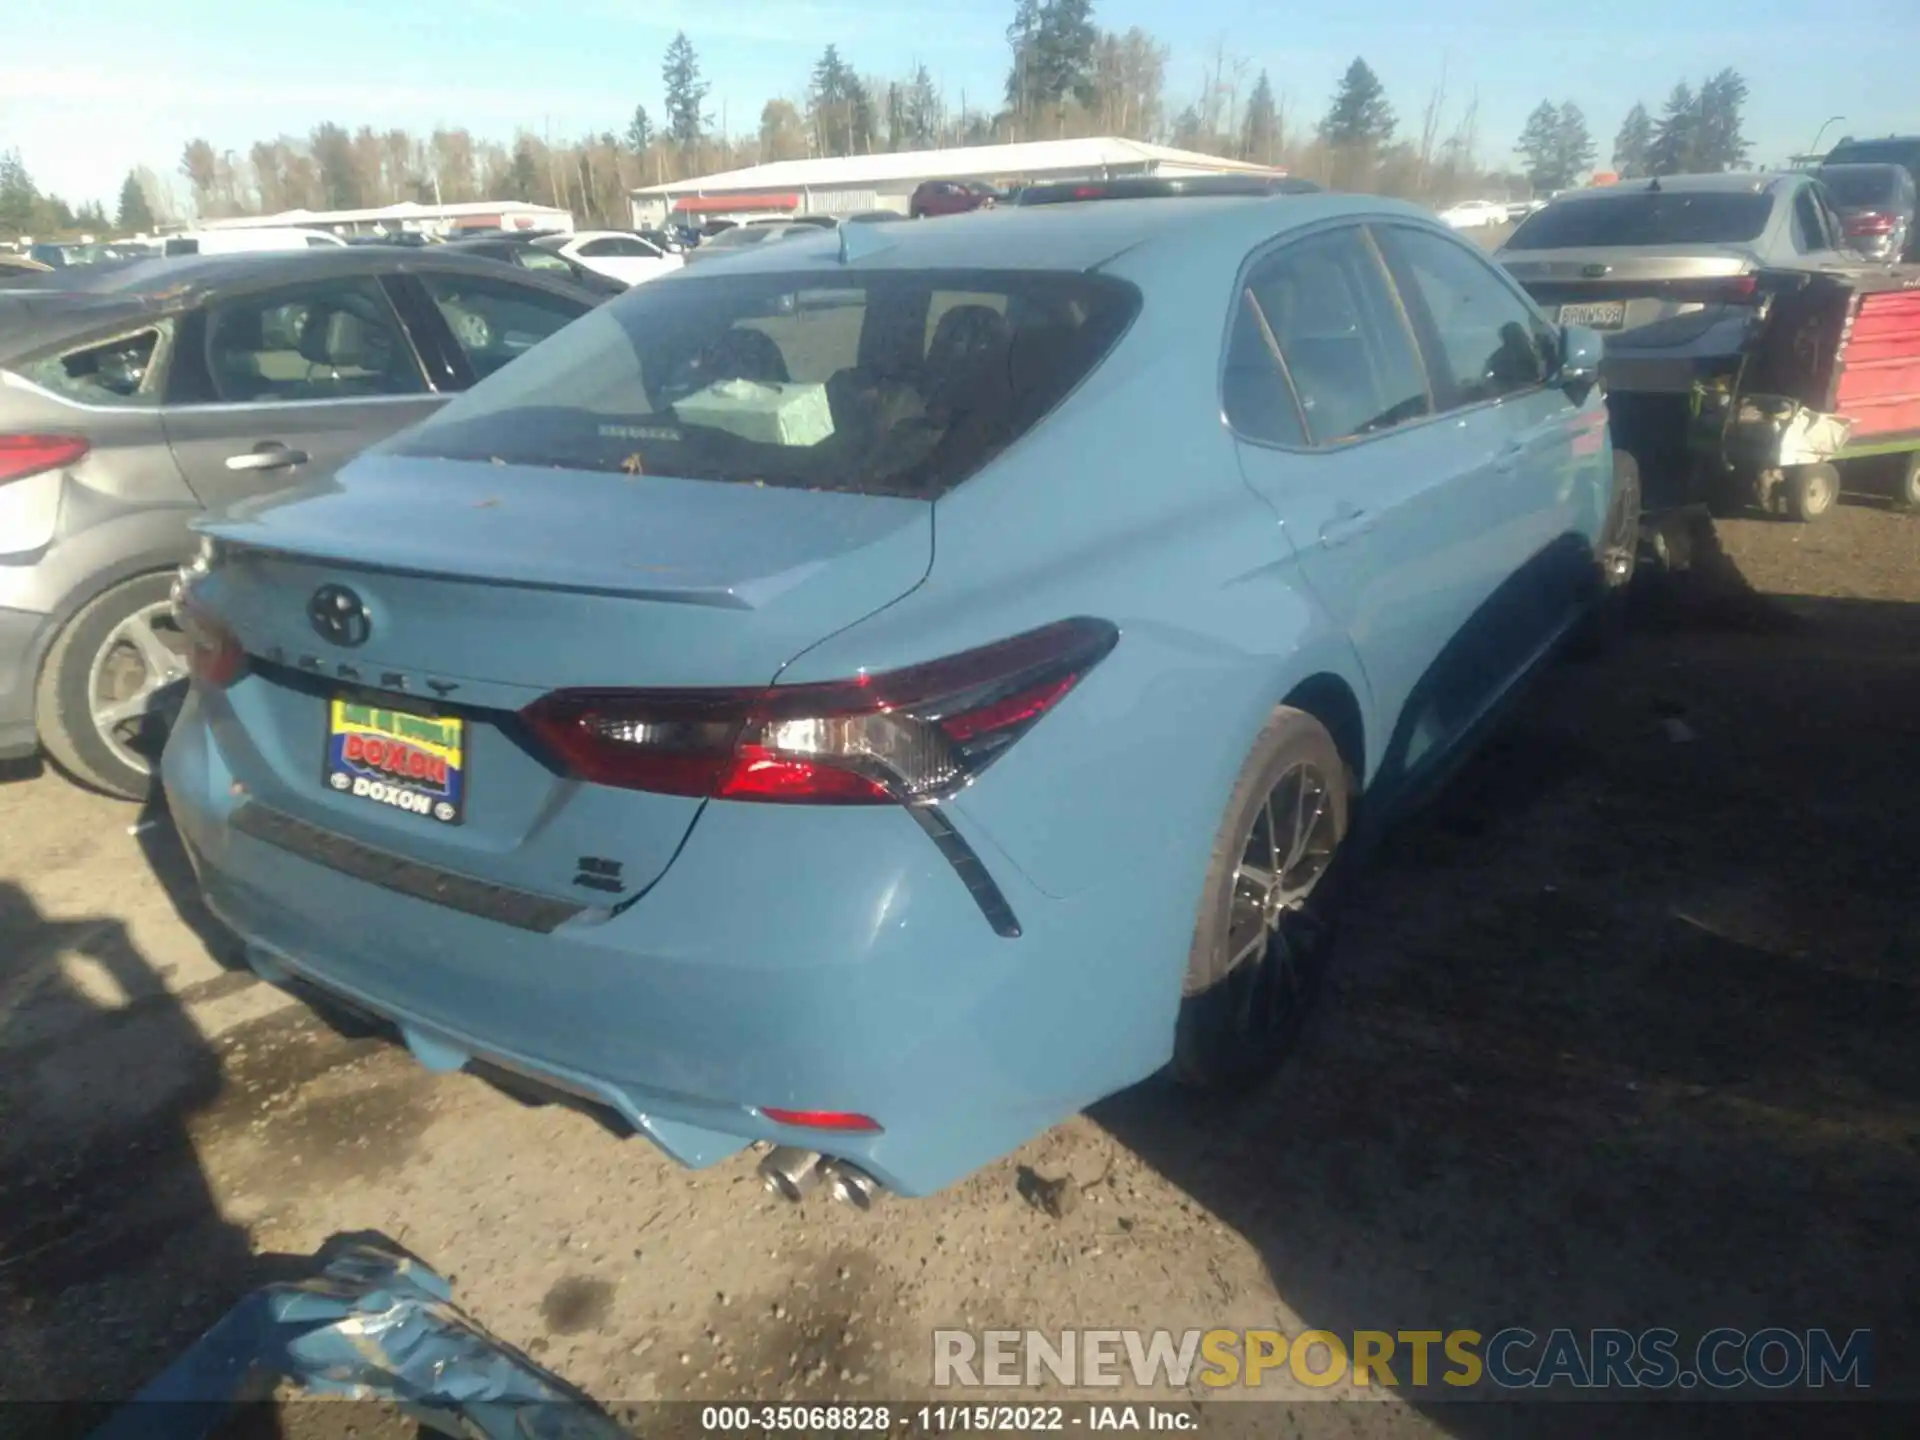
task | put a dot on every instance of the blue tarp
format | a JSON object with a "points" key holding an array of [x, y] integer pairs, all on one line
{"points": [[373, 1324]]}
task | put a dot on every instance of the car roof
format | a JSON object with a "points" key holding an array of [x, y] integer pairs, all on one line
{"points": [[1885, 168], [88, 299], [1072, 237], [180, 281]]}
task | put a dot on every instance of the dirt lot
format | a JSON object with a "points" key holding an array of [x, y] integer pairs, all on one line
{"points": [[1622, 1033]]}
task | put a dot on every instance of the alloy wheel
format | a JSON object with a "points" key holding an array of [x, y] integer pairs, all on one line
{"points": [[136, 682], [1288, 848]]}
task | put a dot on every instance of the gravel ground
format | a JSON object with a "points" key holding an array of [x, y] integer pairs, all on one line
{"points": [[1621, 1033]]}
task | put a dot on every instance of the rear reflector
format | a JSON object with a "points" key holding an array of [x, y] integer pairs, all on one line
{"points": [[821, 1119], [24, 455], [908, 735]]}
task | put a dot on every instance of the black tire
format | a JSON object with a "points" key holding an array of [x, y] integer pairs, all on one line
{"points": [[1906, 480], [1810, 491], [63, 709], [1239, 1021], [1618, 557]]}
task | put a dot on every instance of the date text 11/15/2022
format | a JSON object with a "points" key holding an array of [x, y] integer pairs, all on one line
{"points": [[946, 1419]]}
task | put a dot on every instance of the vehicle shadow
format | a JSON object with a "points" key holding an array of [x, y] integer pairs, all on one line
{"points": [[1620, 1028], [166, 857], [114, 1256]]}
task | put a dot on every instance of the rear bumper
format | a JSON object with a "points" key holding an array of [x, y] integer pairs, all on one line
{"points": [[22, 642], [1654, 372], [818, 959]]}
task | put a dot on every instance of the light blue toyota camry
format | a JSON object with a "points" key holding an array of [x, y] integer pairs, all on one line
{"points": [[878, 695]]}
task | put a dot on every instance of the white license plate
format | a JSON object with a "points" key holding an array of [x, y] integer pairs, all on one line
{"points": [[1596, 314]]}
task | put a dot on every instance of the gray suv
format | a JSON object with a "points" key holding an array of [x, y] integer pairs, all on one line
{"points": [[134, 396]]}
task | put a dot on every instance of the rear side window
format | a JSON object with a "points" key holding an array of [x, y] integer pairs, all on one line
{"points": [[120, 371], [1702, 217], [1333, 315], [325, 340], [496, 320], [1490, 344], [858, 385], [532, 257]]}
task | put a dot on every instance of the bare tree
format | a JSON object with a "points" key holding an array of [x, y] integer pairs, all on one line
{"points": [[1430, 116]]}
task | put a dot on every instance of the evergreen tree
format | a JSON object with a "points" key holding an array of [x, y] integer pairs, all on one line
{"points": [[1053, 54], [860, 118], [1573, 145], [1023, 78], [640, 130], [135, 212], [1260, 137], [332, 150], [18, 197], [1633, 144], [1359, 117], [686, 93], [1671, 151], [523, 179], [830, 100], [1718, 142], [1539, 147], [924, 110]]}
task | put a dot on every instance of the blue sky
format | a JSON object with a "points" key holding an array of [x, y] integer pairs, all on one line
{"points": [[88, 90]]}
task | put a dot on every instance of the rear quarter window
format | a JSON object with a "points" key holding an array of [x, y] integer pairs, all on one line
{"points": [[120, 371], [892, 383], [1678, 217]]}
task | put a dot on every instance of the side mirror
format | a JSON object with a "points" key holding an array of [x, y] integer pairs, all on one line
{"points": [[1581, 351]]}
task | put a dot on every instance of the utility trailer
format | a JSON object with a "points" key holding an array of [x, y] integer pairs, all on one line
{"points": [[1826, 388]]}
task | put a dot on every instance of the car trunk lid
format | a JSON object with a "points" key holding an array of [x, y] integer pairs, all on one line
{"points": [[481, 588], [1665, 295]]}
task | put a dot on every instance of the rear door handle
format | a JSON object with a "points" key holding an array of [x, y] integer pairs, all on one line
{"points": [[1349, 526], [1509, 455], [268, 455]]}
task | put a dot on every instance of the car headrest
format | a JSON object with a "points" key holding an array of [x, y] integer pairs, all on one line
{"points": [[965, 331], [334, 338], [746, 354]]}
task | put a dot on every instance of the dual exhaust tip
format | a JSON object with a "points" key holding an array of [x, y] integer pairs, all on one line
{"points": [[793, 1174]]}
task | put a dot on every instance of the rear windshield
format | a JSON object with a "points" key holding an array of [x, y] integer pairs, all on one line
{"points": [[1702, 217], [744, 235], [885, 383], [1860, 184]]}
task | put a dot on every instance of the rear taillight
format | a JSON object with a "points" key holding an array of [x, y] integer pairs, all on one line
{"points": [[214, 653], [842, 1120], [904, 736], [1869, 222], [24, 455]]}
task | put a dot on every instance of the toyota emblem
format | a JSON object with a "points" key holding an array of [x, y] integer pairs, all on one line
{"points": [[339, 615]]}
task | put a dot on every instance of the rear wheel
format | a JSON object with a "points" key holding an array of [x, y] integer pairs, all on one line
{"points": [[110, 687], [1906, 480], [1617, 555], [1809, 491], [1260, 940]]}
